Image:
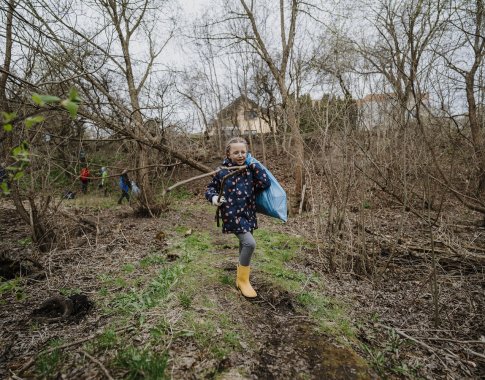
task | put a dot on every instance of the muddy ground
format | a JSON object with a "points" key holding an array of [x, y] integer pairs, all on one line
{"points": [[286, 343], [390, 309]]}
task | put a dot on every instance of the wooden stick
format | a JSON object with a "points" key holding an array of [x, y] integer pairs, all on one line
{"points": [[32, 359], [202, 176], [103, 368], [455, 341], [404, 335], [475, 353]]}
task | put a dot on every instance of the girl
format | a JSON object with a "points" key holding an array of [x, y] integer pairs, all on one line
{"points": [[238, 204]]}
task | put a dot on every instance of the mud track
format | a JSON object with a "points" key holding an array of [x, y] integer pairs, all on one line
{"points": [[288, 344]]}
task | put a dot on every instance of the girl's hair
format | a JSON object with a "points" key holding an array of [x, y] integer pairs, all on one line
{"points": [[235, 140]]}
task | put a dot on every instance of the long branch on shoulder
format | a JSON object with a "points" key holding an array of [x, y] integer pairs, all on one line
{"points": [[202, 176]]}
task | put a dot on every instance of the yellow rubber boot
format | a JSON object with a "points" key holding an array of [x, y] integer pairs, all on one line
{"points": [[242, 282]]}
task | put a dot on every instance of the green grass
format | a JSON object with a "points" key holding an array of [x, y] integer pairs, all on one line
{"points": [[25, 242], [136, 300], [107, 340], [185, 300], [180, 193], [277, 252], [155, 258], [128, 268], [94, 199], [386, 358], [166, 301], [141, 363], [47, 364], [13, 287]]}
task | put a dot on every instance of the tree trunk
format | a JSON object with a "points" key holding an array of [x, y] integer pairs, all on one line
{"points": [[8, 57], [6, 138], [297, 154], [476, 132]]}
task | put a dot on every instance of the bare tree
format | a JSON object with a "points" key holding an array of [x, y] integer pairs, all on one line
{"points": [[113, 71], [405, 31], [464, 54], [247, 23]]}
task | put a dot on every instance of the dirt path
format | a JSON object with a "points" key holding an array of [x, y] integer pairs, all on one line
{"points": [[286, 344], [162, 292]]}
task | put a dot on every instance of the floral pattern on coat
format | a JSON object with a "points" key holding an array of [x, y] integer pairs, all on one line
{"points": [[239, 211]]}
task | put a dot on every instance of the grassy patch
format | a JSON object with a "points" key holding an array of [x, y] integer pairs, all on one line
{"points": [[69, 291], [128, 268], [136, 300], [212, 334], [25, 242], [47, 364], [180, 193], [278, 247], [386, 358], [13, 287], [278, 250], [94, 200], [142, 363], [330, 314], [107, 340], [152, 260]]}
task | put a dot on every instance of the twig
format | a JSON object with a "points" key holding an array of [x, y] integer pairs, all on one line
{"points": [[14, 376], [475, 353], [404, 335], [31, 361], [455, 341], [103, 368]]}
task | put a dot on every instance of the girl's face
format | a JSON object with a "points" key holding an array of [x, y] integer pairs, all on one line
{"points": [[237, 153]]}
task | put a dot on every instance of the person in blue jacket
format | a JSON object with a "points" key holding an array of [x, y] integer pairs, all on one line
{"points": [[237, 204], [125, 186]]}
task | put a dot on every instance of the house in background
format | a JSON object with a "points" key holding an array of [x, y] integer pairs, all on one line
{"points": [[240, 118]]}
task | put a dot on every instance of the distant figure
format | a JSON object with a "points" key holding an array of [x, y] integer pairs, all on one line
{"points": [[84, 177], [103, 183], [125, 186]]}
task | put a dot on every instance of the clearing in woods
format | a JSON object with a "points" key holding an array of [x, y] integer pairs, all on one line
{"points": [[156, 298]]}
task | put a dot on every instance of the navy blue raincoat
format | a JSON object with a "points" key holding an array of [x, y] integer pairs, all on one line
{"points": [[239, 211]]}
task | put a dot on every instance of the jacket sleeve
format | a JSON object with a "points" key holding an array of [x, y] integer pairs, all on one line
{"points": [[213, 187], [261, 179]]}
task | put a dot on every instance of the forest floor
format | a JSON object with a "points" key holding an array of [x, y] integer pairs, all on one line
{"points": [[156, 298]]}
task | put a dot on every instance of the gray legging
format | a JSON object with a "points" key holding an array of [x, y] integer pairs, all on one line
{"points": [[247, 244]]}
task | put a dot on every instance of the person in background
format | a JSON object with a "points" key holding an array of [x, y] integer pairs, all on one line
{"points": [[84, 177], [103, 184], [125, 186]]}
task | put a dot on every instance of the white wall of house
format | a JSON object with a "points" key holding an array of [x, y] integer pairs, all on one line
{"points": [[242, 120]]}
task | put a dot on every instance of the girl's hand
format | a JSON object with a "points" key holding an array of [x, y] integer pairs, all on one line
{"points": [[218, 203]]}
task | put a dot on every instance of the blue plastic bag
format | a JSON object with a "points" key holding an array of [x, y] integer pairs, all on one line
{"points": [[135, 190], [271, 201]]}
